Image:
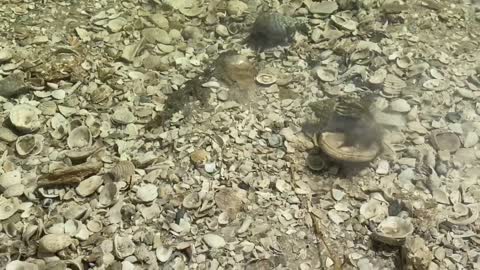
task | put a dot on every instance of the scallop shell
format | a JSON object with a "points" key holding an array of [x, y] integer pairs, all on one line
{"points": [[331, 143], [29, 144], [123, 246], [8, 207], [25, 118], [326, 74], [79, 137], [192, 201], [123, 170], [265, 78], [393, 231], [393, 85]]}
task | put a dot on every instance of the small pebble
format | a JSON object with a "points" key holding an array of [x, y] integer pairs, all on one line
{"points": [[383, 167], [222, 95]]}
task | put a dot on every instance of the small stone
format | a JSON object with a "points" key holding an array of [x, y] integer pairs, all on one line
{"points": [[210, 167], [275, 140], [214, 241], [471, 139], [400, 105], [222, 30], [222, 95], [383, 167]]}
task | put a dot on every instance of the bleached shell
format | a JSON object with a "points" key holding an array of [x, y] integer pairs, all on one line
{"points": [[52, 243], [147, 193], [326, 74], [79, 137], [19, 265], [435, 85], [88, 186], [192, 201], [25, 118], [123, 246], [378, 76], [29, 144], [164, 253], [123, 116], [331, 143], [344, 23], [393, 85], [8, 207]]}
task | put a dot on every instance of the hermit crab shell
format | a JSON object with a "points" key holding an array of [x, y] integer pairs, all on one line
{"points": [[332, 143], [25, 118]]}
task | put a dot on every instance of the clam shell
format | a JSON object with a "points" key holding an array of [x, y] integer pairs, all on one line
{"points": [[123, 246], [123, 116], [29, 144], [263, 78], [445, 140], [393, 231], [192, 201], [331, 143], [8, 207], [79, 137], [52, 243], [25, 118], [88, 186], [7, 135], [326, 74], [164, 253], [435, 85], [19, 265]]}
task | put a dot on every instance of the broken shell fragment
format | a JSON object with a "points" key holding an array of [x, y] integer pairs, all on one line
{"points": [[20, 265], [192, 201], [79, 137], [29, 144], [435, 85], [393, 231], [344, 23], [24, 118], [7, 135], [52, 243], [332, 144], [265, 79], [123, 246], [163, 253], [88, 186]]}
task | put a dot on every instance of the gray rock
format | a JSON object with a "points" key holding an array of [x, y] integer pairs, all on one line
{"points": [[13, 85]]}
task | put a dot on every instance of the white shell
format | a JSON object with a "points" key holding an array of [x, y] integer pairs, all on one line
{"points": [[123, 116], [147, 193], [25, 118], [163, 253], [88, 186], [123, 246], [52, 243], [8, 207], [7, 135], [19, 265], [29, 144], [79, 137], [192, 201]]}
